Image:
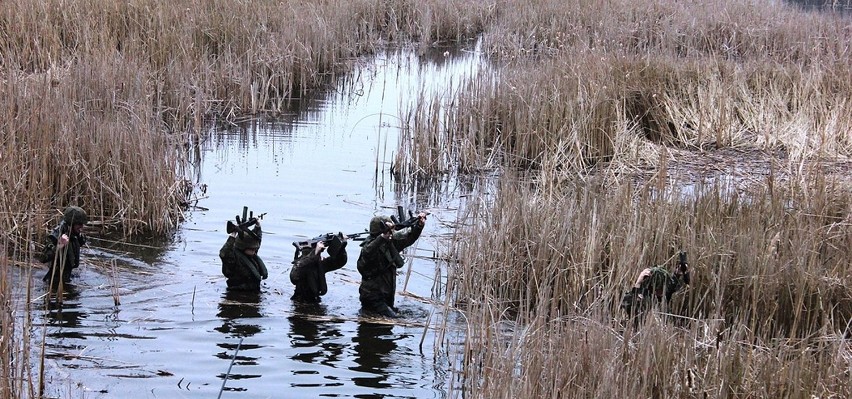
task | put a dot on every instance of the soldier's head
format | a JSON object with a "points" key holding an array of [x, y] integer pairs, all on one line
{"points": [[657, 281], [75, 217], [246, 243], [379, 225], [336, 244]]}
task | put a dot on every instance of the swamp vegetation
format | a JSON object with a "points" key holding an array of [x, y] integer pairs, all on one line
{"points": [[623, 132]]}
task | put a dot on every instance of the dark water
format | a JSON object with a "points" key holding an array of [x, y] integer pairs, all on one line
{"points": [[176, 330]]}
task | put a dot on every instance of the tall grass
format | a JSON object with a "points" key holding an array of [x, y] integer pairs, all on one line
{"points": [[101, 97], [603, 81], [616, 114], [767, 313]]}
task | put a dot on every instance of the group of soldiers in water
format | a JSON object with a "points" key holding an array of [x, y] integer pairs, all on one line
{"points": [[377, 263]]}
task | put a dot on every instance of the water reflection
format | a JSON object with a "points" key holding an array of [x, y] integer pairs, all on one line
{"points": [[237, 311], [66, 313], [235, 308], [313, 335], [374, 344]]}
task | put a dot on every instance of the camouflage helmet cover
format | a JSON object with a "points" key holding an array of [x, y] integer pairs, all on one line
{"points": [[74, 215], [377, 225], [246, 241], [658, 280]]}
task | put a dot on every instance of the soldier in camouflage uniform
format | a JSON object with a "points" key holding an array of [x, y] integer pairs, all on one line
{"points": [[379, 261], [240, 262], [655, 285], [62, 250], [309, 269]]}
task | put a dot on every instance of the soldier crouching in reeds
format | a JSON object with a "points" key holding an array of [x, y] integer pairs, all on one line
{"points": [[654, 288]]}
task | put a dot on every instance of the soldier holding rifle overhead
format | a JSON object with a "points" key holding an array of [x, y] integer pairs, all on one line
{"points": [[380, 258], [240, 262], [310, 267]]}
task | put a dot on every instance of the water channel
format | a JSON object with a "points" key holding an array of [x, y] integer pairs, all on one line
{"points": [[322, 168]]}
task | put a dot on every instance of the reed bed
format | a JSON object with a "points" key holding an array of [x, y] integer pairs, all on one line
{"points": [[101, 98], [603, 82], [767, 313], [626, 132]]}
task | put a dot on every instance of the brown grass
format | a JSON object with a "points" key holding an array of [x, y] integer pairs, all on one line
{"points": [[637, 130], [767, 313], [100, 100], [605, 82]]}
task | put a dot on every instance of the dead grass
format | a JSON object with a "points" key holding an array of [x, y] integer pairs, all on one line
{"points": [[603, 83], [767, 313], [101, 99], [626, 132]]}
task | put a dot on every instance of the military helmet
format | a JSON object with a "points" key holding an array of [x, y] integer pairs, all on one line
{"points": [[74, 215], [336, 244], [246, 241], [377, 225], [658, 280]]}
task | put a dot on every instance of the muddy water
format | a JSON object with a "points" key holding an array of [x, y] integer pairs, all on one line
{"points": [[176, 331]]}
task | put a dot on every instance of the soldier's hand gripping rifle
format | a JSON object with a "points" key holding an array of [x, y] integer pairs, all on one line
{"points": [[413, 219], [325, 239], [242, 226]]}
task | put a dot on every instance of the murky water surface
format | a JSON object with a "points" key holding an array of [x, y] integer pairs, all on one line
{"points": [[176, 330]]}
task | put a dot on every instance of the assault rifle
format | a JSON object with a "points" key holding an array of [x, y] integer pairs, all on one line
{"points": [[325, 239], [242, 226], [411, 221]]}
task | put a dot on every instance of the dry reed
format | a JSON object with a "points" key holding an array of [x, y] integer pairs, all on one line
{"points": [[606, 82], [102, 100], [767, 313], [641, 129]]}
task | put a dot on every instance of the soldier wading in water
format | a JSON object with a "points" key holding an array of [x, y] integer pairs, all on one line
{"points": [[62, 250], [310, 267], [380, 259], [240, 262]]}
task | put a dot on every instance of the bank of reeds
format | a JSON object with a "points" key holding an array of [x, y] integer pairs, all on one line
{"points": [[767, 314], [99, 98], [603, 82], [755, 95]]}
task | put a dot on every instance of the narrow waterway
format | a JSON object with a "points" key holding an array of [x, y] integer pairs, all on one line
{"points": [[153, 320]]}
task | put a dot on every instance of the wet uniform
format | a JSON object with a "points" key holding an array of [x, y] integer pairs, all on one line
{"points": [[308, 272], [61, 261], [640, 299], [244, 272], [379, 260]]}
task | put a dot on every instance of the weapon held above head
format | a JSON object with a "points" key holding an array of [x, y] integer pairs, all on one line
{"points": [[327, 237], [243, 225], [401, 222]]}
